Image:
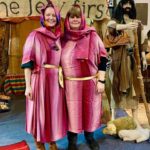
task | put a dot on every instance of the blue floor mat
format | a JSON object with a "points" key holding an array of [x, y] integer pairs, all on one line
{"points": [[12, 130]]}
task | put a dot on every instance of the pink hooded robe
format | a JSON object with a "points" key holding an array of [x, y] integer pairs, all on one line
{"points": [[81, 54], [46, 113]]}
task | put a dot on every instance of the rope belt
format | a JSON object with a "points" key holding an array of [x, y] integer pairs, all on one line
{"points": [[60, 74], [81, 78]]}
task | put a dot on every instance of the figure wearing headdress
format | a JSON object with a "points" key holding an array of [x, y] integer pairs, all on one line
{"points": [[126, 65]]}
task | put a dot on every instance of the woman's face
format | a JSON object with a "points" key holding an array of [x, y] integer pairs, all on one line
{"points": [[50, 17], [75, 22]]}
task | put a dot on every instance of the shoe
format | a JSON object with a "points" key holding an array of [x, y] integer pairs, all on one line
{"points": [[92, 143], [53, 146], [72, 146], [39, 145], [72, 139]]}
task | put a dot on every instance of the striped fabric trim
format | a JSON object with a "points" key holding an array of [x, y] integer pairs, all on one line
{"points": [[14, 84]]}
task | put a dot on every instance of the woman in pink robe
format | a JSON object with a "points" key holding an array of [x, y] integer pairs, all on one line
{"points": [[45, 105], [84, 64]]}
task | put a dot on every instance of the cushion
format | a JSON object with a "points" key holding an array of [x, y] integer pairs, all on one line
{"points": [[22, 145]]}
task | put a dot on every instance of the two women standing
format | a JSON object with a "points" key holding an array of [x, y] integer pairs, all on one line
{"points": [[83, 60]]}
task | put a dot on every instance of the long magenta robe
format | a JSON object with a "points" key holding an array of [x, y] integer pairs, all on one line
{"points": [[83, 102], [45, 114]]}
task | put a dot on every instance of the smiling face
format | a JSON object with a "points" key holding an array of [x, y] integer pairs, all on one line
{"points": [[75, 22], [75, 18], [50, 17]]}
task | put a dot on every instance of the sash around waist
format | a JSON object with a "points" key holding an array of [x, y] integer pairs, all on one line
{"points": [[82, 78], [49, 66], [60, 74]]}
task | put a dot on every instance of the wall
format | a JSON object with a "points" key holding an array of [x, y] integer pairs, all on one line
{"points": [[146, 27]]}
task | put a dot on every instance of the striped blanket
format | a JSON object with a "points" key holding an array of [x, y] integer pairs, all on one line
{"points": [[14, 84]]}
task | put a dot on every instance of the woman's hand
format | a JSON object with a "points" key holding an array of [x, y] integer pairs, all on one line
{"points": [[28, 93], [100, 87]]}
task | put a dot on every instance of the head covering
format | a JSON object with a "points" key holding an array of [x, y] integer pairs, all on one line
{"points": [[80, 37], [56, 34], [77, 34], [50, 4]]}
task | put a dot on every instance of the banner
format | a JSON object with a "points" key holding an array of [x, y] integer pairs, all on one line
{"points": [[95, 9]]}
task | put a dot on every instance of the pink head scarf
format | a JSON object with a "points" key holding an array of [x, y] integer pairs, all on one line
{"points": [[58, 18], [81, 36], [77, 34], [50, 4]]}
